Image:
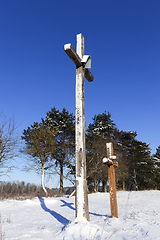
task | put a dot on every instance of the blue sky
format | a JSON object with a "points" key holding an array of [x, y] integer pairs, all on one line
{"points": [[123, 39]]}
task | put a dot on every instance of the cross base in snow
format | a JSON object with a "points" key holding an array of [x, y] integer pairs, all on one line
{"points": [[112, 163]]}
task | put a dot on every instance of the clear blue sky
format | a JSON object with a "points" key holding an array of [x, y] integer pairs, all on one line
{"points": [[123, 39]]}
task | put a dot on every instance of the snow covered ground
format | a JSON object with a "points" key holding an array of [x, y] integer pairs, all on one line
{"points": [[53, 218]]}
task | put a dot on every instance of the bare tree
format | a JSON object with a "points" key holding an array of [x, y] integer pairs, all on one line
{"points": [[40, 141], [9, 142]]}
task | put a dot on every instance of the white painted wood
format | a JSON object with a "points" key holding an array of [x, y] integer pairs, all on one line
{"points": [[80, 45], [81, 186], [72, 54], [77, 60], [82, 211], [109, 147]]}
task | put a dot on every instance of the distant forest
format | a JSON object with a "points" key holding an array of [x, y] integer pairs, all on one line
{"points": [[22, 190]]}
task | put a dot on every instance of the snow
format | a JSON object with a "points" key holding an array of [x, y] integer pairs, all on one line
{"points": [[107, 160], [67, 46], [54, 218]]}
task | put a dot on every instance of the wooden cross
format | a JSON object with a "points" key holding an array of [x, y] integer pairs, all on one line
{"points": [[110, 161], [80, 59]]}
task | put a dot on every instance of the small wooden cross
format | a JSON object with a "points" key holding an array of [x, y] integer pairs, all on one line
{"points": [[112, 163], [81, 61]]}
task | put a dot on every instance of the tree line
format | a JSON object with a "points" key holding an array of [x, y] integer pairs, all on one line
{"points": [[137, 169], [49, 146], [21, 190]]}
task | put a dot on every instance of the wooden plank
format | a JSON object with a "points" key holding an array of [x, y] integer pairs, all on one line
{"points": [[112, 180], [77, 61], [81, 200], [88, 75], [72, 54], [80, 45], [112, 190], [81, 182]]}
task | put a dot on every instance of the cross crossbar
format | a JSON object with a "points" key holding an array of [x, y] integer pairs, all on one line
{"points": [[72, 54], [88, 75], [77, 61]]}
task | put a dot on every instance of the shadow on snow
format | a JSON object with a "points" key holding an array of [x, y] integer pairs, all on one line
{"points": [[65, 204], [56, 215]]}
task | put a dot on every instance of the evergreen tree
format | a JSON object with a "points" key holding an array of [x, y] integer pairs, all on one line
{"points": [[102, 126], [64, 153], [122, 145], [156, 168], [135, 164], [96, 170], [140, 164], [98, 133], [134, 159]]}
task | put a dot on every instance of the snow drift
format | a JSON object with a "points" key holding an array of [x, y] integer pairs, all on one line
{"points": [[53, 218]]}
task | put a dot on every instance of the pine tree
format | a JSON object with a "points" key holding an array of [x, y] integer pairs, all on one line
{"points": [[123, 144], [98, 133], [63, 123], [96, 170], [102, 126], [140, 166], [156, 168], [134, 161]]}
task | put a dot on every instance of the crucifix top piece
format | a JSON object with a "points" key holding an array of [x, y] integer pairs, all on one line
{"points": [[78, 56], [110, 160]]}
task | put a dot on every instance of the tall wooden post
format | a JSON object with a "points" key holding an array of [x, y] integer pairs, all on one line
{"points": [[110, 161], [81, 182], [81, 185]]}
